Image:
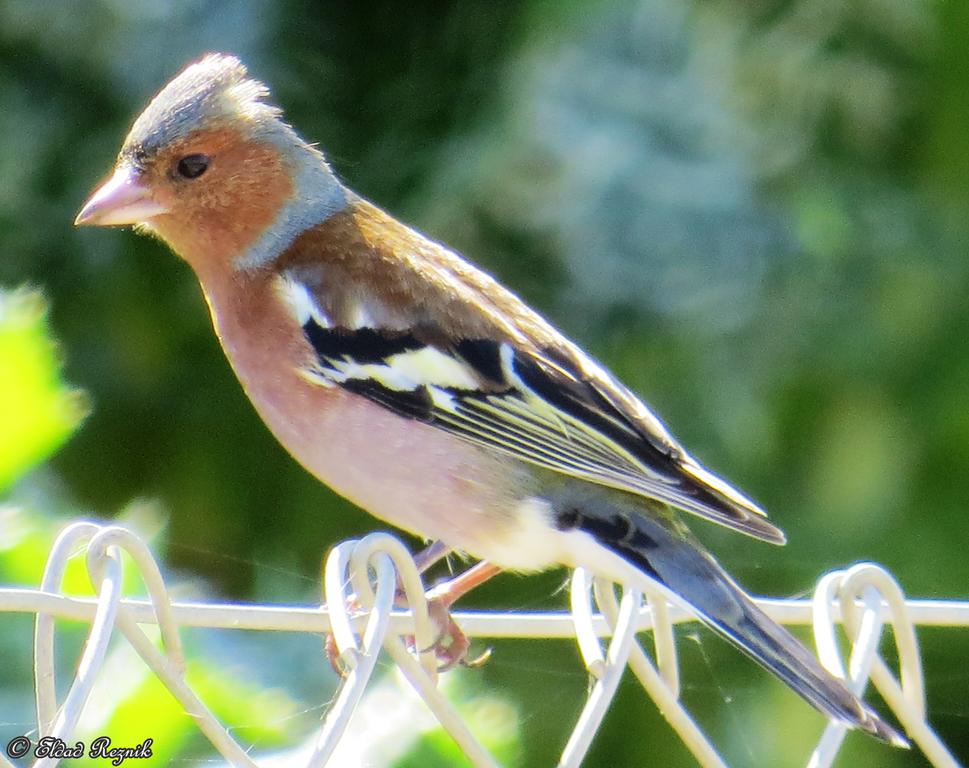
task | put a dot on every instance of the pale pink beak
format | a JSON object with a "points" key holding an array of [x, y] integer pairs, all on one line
{"points": [[122, 199]]}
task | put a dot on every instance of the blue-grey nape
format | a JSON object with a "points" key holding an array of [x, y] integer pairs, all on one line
{"points": [[317, 195]]}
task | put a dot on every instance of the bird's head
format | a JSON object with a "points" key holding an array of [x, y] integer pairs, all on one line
{"points": [[212, 169]]}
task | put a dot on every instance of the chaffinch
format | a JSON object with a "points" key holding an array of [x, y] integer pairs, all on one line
{"points": [[417, 386]]}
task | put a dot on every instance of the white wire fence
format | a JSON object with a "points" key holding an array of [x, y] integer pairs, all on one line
{"points": [[368, 573]]}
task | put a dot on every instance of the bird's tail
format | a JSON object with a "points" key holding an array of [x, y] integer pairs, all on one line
{"points": [[657, 546]]}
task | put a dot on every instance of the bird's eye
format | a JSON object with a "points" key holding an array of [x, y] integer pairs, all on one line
{"points": [[192, 166]]}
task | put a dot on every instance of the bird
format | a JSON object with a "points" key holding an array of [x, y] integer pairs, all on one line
{"points": [[417, 386]]}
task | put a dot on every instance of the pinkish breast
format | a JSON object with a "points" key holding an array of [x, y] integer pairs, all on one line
{"points": [[412, 475]]}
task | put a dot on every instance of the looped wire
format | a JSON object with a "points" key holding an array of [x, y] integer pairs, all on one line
{"points": [[106, 571], [662, 685], [868, 598], [364, 580], [349, 565]]}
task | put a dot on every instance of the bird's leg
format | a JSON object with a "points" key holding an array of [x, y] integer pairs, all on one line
{"points": [[426, 559], [432, 554], [451, 646], [449, 592]]}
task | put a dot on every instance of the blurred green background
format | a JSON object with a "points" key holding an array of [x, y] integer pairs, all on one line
{"points": [[756, 213]]}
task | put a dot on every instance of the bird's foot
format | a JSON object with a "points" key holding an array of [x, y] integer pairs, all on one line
{"points": [[451, 646]]}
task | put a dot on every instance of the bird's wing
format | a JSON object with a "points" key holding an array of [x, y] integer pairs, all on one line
{"points": [[554, 408]]}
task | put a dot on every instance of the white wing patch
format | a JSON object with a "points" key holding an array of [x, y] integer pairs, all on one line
{"points": [[385, 375], [409, 370], [431, 367], [443, 400], [301, 302]]}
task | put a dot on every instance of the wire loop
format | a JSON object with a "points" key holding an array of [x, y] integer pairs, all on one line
{"points": [[363, 583], [866, 598]]}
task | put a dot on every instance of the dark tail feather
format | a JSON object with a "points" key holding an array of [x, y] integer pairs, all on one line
{"points": [[672, 558]]}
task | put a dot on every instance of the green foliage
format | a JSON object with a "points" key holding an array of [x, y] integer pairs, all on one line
{"points": [[491, 719], [130, 704], [38, 412]]}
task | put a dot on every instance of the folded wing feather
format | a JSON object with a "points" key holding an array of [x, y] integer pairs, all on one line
{"points": [[555, 409]]}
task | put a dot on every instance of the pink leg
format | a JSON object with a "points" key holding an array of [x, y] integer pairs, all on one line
{"points": [[454, 589], [432, 554], [452, 644]]}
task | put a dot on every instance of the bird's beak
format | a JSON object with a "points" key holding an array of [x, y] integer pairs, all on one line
{"points": [[122, 199]]}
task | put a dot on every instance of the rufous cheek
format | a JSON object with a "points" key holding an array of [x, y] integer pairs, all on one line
{"points": [[166, 196], [225, 213]]}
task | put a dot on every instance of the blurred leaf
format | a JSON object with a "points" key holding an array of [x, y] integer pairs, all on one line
{"points": [[493, 720], [38, 411], [130, 704], [29, 532]]}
